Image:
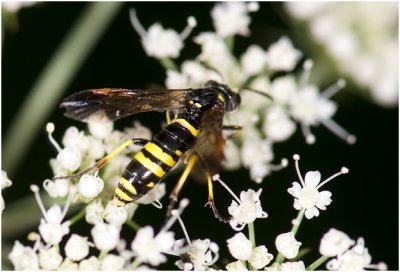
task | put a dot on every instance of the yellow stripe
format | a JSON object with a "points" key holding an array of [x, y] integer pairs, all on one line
{"points": [[220, 97], [157, 152], [151, 184], [151, 166], [128, 186], [187, 125], [118, 202], [122, 195], [178, 152]]}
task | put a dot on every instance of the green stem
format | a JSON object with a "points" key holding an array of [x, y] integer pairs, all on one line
{"points": [[317, 263], [135, 226], [280, 258], [102, 254], [77, 216], [252, 238], [135, 263], [56, 76], [298, 221], [230, 42], [168, 64], [252, 235]]}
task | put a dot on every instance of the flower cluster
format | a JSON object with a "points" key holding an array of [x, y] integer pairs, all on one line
{"points": [[284, 100], [363, 47], [264, 121]]}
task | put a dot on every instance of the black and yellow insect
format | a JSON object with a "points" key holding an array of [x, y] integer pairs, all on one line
{"points": [[194, 134]]}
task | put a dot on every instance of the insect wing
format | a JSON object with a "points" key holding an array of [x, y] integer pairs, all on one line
{"points": [[210, 145], [119, 103]]}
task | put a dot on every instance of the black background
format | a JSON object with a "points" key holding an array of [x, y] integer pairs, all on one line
{"points": [[365, 202]]}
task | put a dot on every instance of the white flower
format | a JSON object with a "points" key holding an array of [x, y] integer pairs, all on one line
{"points": [[94, 212], [114, 214], [282, 56], [176, 80], [232, 156], [307, 195], [96, 148], [287, 245], [51, 228], [240, 247], [91, 264], [293, 266], [57, 188], [356, 258], [260, 257], [236, 266], [149, 248], [23, 258], [105, 236], [247, 210], [231, 18], [90, 186], [253, 60], [159, 42], [282, 89], [77, 247], [100, 126], [277, 125], [256, 155], [74, 138], [68, 265], [112, 262], [200, 252], [70, 158], [334, 243], [364, 49], [310, 108], [5, 182], [50, 259]]}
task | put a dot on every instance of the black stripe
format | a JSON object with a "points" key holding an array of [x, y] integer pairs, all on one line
{"points": [[122, 188], [120, 199], [160, 163], [165, 147], [140, 174]]}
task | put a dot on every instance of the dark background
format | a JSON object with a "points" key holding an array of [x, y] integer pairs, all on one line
{"points": [[365, 202]]}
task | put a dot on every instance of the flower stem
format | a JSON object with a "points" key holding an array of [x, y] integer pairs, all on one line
{"points": [[135, 226], [297, 222], [317, 263], [280, 258], [135, 263], [252, 237], [102, 254], [230, 42], [78, 216], [168, 64]]}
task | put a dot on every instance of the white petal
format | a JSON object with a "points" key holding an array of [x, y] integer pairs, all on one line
{"points": [[312, 178]]}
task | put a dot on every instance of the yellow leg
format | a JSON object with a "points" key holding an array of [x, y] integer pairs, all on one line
{"points": [[107, 158], [211, 200], [168, 117], [175, 192]]}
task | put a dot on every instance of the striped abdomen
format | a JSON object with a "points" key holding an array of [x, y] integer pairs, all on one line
{"points": [[155, 160]]}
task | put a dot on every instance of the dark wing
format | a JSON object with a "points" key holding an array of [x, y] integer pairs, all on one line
{"points": [[210, 145], [118, 103]]}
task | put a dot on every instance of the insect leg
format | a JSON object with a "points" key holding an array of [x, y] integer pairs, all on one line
{"points": [[175, 193], [211, 200], [168, 114], [106, 159]]}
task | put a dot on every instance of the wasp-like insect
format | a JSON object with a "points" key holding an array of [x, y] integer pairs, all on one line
{"points": [[195, 133]]}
